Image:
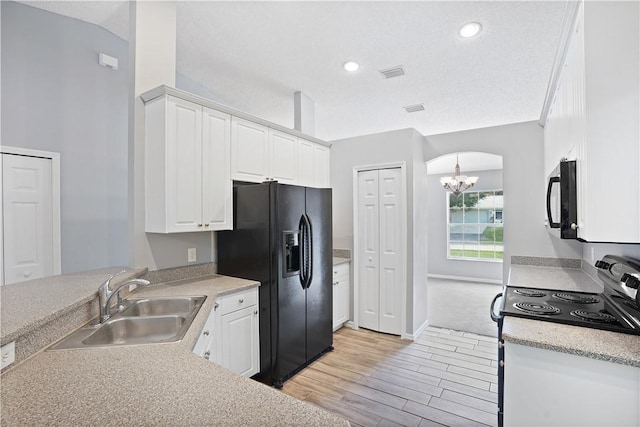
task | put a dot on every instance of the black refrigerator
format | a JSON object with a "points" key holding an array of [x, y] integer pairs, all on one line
{"points": [[282, 238]]}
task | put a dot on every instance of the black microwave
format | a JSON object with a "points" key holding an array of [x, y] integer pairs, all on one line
{"points": [[562, 205]]}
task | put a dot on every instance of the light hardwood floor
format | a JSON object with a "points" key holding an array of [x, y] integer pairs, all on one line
{"points": [[445, 377]]}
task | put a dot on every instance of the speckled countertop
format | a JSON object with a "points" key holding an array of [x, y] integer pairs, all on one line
{"points": [[161, 384], [28, 305], [594, 343], [564, 279], [338, 261]]}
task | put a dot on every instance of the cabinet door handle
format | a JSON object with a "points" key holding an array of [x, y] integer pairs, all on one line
{"points": [[335, 283], [241, 300], [215, 306], [205, 333], [207, 354], [206, 225], [255, 311], [199, 225]]}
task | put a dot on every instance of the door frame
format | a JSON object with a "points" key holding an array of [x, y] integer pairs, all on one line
{"points": [[403, 227], [55, 204]]}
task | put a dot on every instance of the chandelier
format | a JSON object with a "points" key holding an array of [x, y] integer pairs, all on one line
{"points": [[458, 183]]}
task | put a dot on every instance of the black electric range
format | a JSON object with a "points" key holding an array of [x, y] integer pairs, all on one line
{"points": [[616, 309]]}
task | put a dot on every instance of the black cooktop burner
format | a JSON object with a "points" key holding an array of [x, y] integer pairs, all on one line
{"points": [[591, 310], [575, 298], [594, 316], [535, 308], [530, 292]]}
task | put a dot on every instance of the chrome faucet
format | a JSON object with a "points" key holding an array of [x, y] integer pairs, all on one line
{"points": [[105, 294]]}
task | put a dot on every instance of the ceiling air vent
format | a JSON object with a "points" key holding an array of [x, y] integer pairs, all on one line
{"points": [[414, 108], [390, 73]]}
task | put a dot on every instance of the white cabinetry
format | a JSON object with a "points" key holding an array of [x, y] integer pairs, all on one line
{"points": [[230, 335], [283, 157], [321, 169], [187, 175], [249, 158], [341, 295], [595, 119], [313, 164], [548, 388], [263, 154]]}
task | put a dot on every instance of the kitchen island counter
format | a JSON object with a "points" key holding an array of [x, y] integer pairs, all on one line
{"points": [[593, 343], [154, 384]]}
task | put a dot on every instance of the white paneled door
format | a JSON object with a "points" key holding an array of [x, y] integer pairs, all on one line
{"points": [[380, 249], [27, 197]]}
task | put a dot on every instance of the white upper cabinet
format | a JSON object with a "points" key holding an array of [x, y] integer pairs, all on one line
{"points": [[283, 157], [321, 167], [262, 154], [313, 164], [187, 183], [250, 147], [195, 149], [217, 192], [595, 119], [305, 162]]}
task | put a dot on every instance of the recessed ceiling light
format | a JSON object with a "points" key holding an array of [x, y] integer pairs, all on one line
{"points": [[351, 66], [470, 30]]}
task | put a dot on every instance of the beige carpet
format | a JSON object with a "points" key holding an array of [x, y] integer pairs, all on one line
{"points": [[461, 306]]}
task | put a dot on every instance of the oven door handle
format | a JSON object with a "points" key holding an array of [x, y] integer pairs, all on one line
{"points": [[494, 317]]}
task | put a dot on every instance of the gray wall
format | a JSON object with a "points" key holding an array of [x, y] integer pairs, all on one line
{"points": [[522, 150], [394, 146], [56, 97], [591, 252], [437, 229]]}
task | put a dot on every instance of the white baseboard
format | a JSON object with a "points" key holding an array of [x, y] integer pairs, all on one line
{"points": [[416, 333], [466, 279], [350, 324]]}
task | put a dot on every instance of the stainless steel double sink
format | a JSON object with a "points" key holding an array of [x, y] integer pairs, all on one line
{"points": [[141, 321]]}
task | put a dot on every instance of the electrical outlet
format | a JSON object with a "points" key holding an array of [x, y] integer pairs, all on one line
{"points": [[8, 352], [191, 255]]}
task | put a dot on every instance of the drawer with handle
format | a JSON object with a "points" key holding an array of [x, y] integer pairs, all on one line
{"points": [[340, 271], [237, 300]]}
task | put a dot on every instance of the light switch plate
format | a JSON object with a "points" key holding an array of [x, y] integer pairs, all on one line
{"points": [[8, 352]]}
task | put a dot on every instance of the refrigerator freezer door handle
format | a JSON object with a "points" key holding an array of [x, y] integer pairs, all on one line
{"points": [[310, 254], [303, 252]]}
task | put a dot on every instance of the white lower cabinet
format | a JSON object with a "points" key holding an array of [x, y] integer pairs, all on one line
{"points": [[549, 388], [230, 335], [341, 295]]}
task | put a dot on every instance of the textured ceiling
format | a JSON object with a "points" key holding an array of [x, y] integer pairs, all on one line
{"points": [[255, 55]]}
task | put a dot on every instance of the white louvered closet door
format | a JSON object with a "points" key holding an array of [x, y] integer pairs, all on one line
{"points": [[380, 250]]}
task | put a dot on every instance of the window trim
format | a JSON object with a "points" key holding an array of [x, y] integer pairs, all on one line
{"points": [[448, 224]]}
